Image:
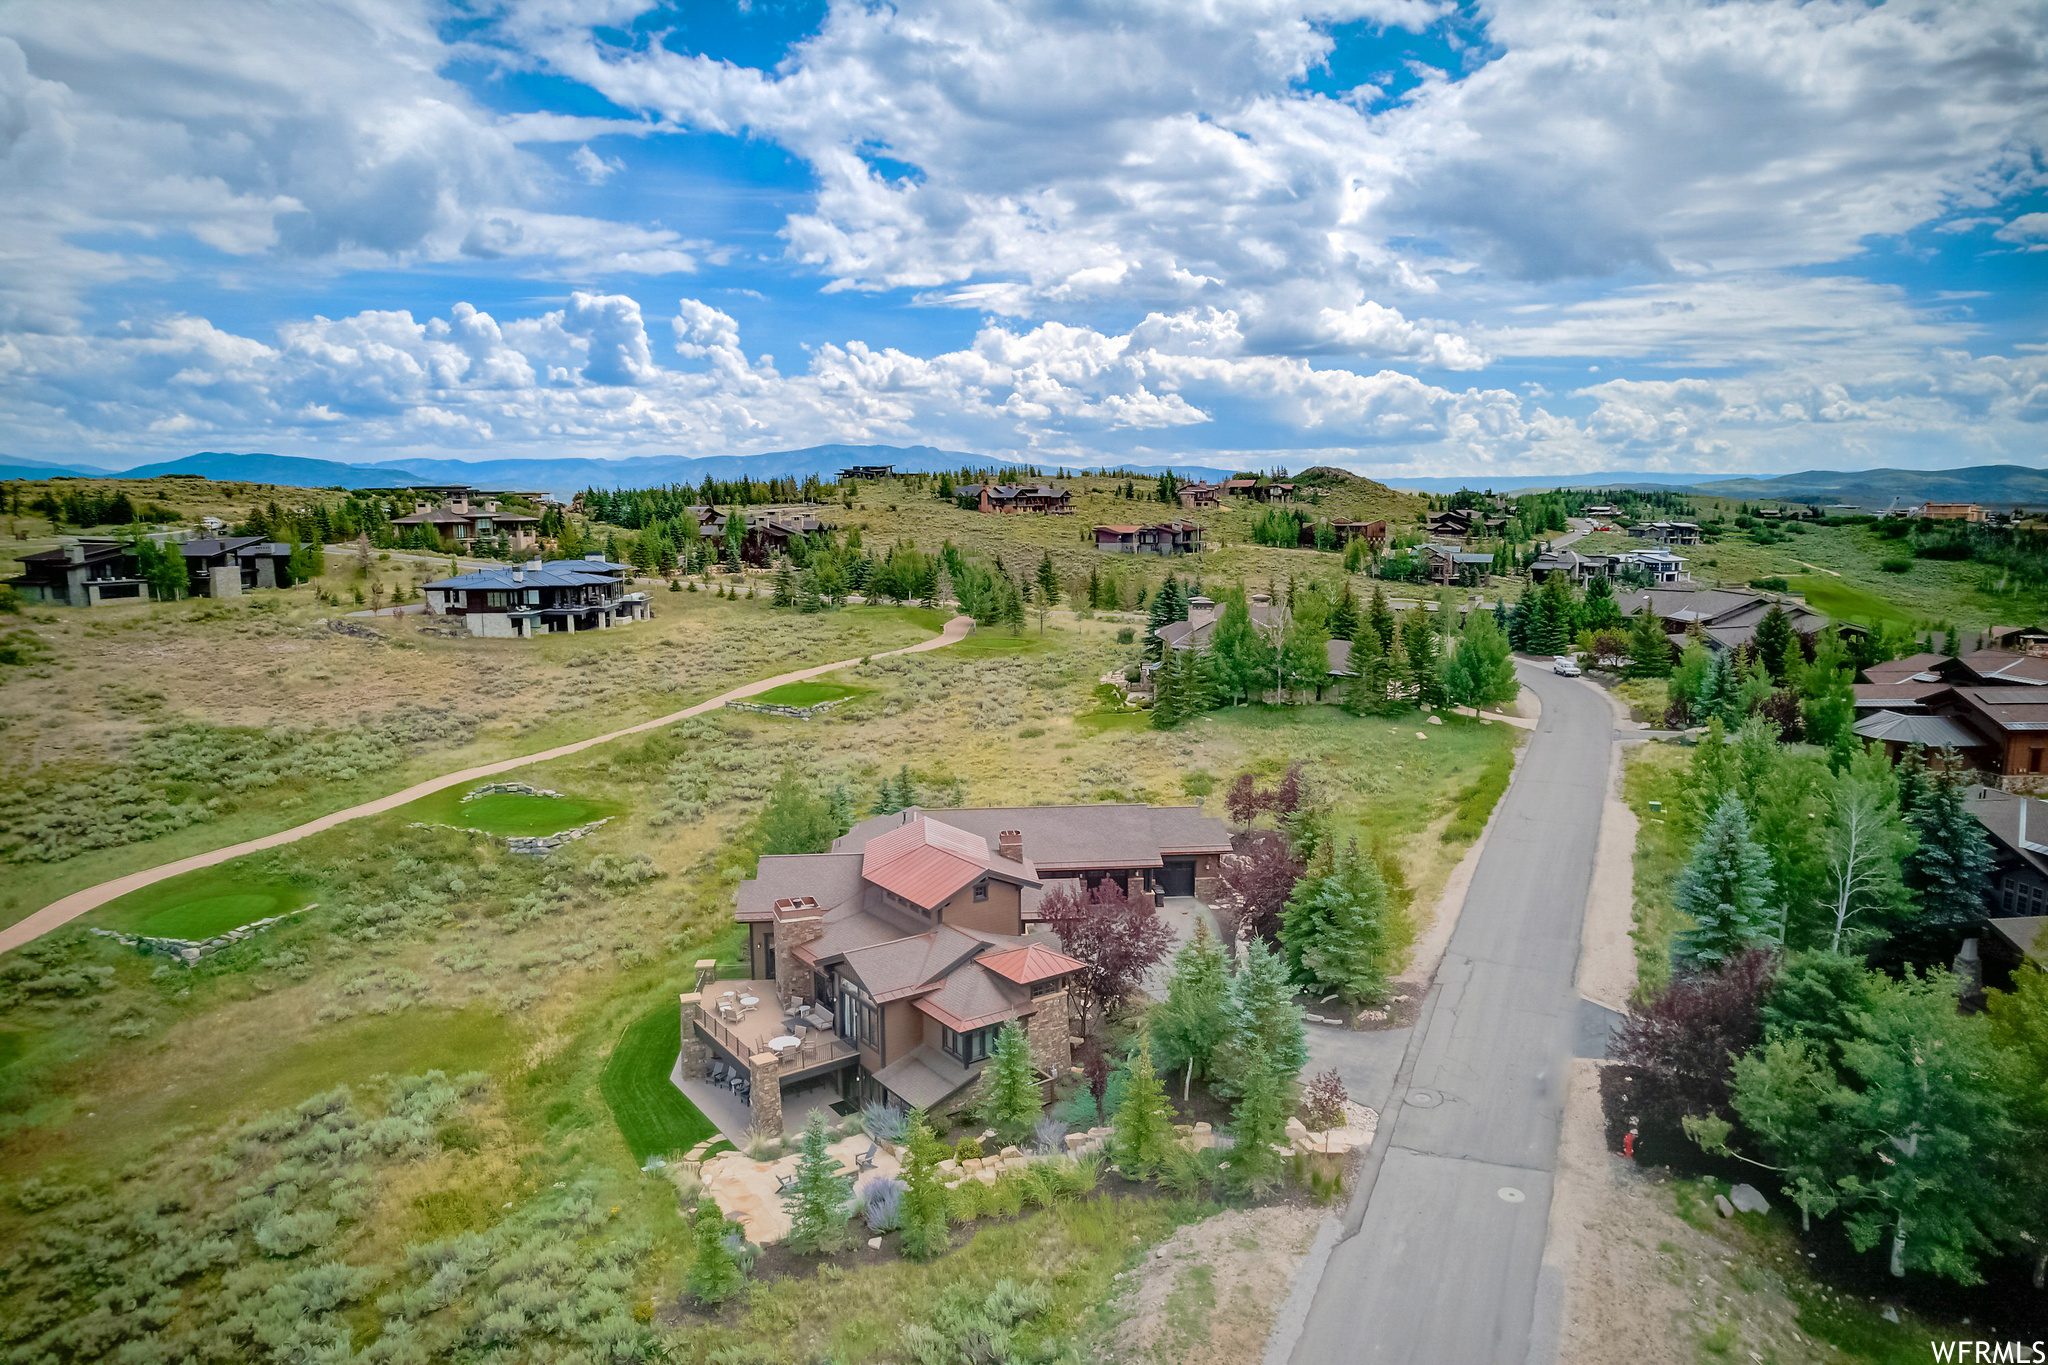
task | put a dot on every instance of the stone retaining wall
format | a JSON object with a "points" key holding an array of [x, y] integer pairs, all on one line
{"points": [[515, 788], [798, 712], [189, 951], [534, 845]]}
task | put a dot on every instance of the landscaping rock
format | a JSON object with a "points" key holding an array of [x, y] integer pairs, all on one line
{"points": [[874, 1244], [1010, 1152], [1436, 720], [1749, 1199], [1723, 1207]]}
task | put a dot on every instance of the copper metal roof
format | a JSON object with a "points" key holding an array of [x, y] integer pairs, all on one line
{"points": [[1032, 962], [924, 861]]}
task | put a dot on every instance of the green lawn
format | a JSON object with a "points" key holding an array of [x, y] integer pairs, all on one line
{"points": [[509, 814], [203, 903], [1847, 602], [652, 1114], [992, 641], [809, 693]]}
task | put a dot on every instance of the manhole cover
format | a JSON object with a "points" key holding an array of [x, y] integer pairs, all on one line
{"points": [[1423, 1099], [1511, 1194]]}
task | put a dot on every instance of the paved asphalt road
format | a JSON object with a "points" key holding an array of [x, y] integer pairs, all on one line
{"points": [[1447, 1228]]}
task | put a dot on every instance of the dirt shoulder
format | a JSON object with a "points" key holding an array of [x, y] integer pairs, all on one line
{"points": [[1207, 1294]]}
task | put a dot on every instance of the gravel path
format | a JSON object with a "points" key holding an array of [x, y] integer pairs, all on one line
{"points": [[63, 911]]}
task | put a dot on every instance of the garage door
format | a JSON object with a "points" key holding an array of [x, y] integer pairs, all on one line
{"points": [[1178, 876]]}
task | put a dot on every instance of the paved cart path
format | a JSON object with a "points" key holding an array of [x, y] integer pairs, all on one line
{"points": [[1448, 1226], [78, 902]]}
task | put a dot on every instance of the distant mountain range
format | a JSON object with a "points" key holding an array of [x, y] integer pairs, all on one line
{"points": [[1992, 485], [560, 476]]}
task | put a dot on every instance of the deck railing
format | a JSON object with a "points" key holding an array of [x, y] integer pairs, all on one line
{"points": [[816, 1048]]}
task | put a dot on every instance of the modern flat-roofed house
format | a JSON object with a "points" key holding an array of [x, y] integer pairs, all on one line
{"points": [[1576, 568], [227, 566], [867, 471], [79, 573], [1952, 511], [1667, 532], [464, 517], [539, 597], [1661, 567], [88, 571], [885, 966], [1162, 538]]}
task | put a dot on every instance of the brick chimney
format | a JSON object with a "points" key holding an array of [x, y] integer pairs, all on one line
{"points": [[798, 922], [1010, 844]]}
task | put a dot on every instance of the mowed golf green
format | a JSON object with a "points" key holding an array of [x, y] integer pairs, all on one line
{"points": [[807, 693], [510, 814], [201, 904]]}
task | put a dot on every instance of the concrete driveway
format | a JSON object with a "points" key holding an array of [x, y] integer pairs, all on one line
{"points": [[1447, 1227]]}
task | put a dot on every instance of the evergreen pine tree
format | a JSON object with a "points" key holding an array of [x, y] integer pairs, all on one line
{"points": [[714, 1275], [795, 820], [1380, 617], [785, 586], [816, 1200], [1011, 1102], [1166, 690], [1048, 581], [1259, 1129], [1776, 645], [1262, 1021], [1649, 653], [1951, 868], [1726, 890], [1142, 1130], [923, 1204], [1190, 1023], [1094, 588], [1423, 671], [1344, 616], [1233, 651], [1334, 929]]}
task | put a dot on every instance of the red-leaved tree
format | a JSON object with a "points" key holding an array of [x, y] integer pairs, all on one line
{"points": [[1257, 880], [1677, 1054], [1118, 937]]}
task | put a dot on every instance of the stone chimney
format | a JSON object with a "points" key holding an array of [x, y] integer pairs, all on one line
{"points": [[798, 922], [74, 553], [1201, 611], [1010, 844]]}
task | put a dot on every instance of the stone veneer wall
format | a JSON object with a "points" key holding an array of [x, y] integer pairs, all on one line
{"points": [[765, 1068], [1049, 1031]]}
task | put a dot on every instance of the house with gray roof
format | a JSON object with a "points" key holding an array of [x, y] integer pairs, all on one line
{"points": [[890, 961], [540, 597]]}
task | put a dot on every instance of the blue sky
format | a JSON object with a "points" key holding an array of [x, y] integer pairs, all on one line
{"points": [[1407, 237]]}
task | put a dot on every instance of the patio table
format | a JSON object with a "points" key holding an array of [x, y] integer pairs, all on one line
{"points": [[750, 1001], [783, 1043]]}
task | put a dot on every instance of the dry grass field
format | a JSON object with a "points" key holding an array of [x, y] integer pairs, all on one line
{"points": [[250, 1113]]}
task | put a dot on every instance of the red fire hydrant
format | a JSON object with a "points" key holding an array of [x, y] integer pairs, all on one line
{"points": [[1628, 1145]]}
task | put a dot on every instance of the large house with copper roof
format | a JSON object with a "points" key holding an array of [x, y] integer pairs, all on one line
{"points": [[891, 961]]}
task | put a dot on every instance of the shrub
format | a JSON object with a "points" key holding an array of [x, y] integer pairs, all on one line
{"points": [[882, 1122], [1678, 1052], [964, 1201], [1049, 1136], [1950, 550], [1771, 584], [967, 1327], [1127, 636], [968, 1150], [882, 1203], [1896, 565]]}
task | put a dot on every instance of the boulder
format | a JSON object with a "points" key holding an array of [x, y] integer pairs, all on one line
{"points": [[1723, 1207], [874, 1244], [1749, 1199], [1295, 1127], [1009, 1152]]}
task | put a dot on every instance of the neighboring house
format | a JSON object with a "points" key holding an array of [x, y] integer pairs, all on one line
{"points": [[1256, 491], [769, 529], [1601, 509], [1951, 511], [1014, 497], [1455, 524], [1449, 565], [1939, 736], [226, 566], [464, 516], [867, 471], [2010, 726], [1343, 532], [1162, 538], [87, 572], [540, 598], [1667, 532], [1267, 617], [1200, 494], [2019, 639], [1660, 567], [1723, 618], [79, 573], [1576, 568], [909, 945], [2017, 902]]}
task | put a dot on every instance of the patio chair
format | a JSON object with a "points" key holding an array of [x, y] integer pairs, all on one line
{"points": [[783, 1182], [866, 1160], [718, 1073]]}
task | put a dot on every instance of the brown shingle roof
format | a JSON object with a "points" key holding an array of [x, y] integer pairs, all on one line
{"points": [[831, 879], [905, 966], [1069, 838], [924, 1077], [972, 998]]}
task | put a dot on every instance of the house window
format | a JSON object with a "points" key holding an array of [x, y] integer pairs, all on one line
{"points": [[981, 889], [494, 599], [1048, 987], [972, 1046]]}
